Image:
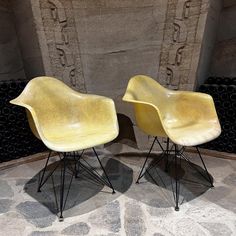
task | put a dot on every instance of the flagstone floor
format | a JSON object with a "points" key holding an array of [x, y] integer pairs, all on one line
{"points": [[135, 210]]}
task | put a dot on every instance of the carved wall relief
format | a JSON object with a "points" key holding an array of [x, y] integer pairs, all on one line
{"points": [[58, 12], [67, 65], [176, 32], [186, 9], [169, 73], [174, 71], [172, 74], [61, 40], [180, 9], [183, 9], [175, 54], [178, 57], [180, 31]]}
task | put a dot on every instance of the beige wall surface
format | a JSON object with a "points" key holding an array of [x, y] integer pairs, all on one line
{"points": [[97, 45], [224, 57], [209, 41], [119, 40], [11, 65], [28, 40]]}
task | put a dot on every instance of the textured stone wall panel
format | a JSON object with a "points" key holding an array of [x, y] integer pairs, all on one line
{"points": [[118, 40], [62, 42], [106, 42], [178, 61]]}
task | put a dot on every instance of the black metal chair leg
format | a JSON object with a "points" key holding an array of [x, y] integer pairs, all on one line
{"points": [[167, 155], [111, 186], [208, 175], [44, 170], [160, 145], [63, 171], [176, 181], [75, 168], [140, 173]]}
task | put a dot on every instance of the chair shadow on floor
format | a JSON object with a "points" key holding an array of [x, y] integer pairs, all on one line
{"points": [[85, 193], [157, 187]]}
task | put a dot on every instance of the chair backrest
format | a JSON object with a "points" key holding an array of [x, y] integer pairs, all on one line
{"points": [[145, 89], [145, 92], [48, 100]]}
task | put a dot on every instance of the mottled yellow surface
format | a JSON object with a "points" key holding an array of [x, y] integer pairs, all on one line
{"points": [[66, 120], [187, 118]]}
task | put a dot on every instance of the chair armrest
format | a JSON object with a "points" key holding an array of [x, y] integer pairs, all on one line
{"points": [[98, 109], [195, 105], [32, 117]]}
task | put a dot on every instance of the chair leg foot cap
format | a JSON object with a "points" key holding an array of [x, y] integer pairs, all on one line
{"points": [[39, 190], [113, 192], [176, 208], [61, 219], [137, 182]]}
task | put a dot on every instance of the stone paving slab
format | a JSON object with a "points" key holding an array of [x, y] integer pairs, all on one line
{"points": [[143, 209]]}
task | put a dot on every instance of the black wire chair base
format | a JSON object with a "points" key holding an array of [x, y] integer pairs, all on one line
{"points": [[141, 174], [93, 173], [72, 164], [177, 157]]}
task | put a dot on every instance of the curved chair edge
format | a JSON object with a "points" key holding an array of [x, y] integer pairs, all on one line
{"points": [[128, 98], [20, 102]]}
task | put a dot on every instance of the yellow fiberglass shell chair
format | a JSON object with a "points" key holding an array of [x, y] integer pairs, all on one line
{"points": [[67, 121], [186, 118]]}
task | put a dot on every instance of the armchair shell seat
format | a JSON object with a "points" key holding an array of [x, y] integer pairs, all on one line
{"points": [[76, 138], [195, 134], [187, 118], [66, 120]]}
